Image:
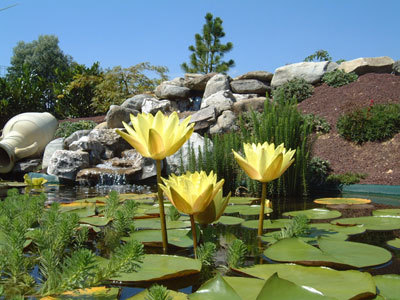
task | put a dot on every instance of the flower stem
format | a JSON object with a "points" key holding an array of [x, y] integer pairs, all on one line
{"points": [[262, 209], [161, 207], [194, 234]]}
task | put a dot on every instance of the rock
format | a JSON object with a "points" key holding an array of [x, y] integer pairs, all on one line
{"points": [[102, 125], [65, 164], [312, 72], [197, 82], [118, 114], [182, 155], [216, 84], [57, 144], [166, 90], [152, 106], [249, 86], [365, 65], [181, 105], [203, 118], [222, 100], [396, 67], [112, 142], [225, 123], [74, 137], [259, 75], [94, 148], [178, 81], [255, 104], [27, 165], [240, 97], [136, 101], [99, 176]]}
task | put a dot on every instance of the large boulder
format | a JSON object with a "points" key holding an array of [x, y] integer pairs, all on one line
{"points": [[112, 142], [259, 75], [74, 137], [152, 106], [93, 147], [53, 146], [172, 90], [136, 101], [240, 97], [396, 67], [118, 114], [222, 100], [249, 86], [204, 118], [66, 164], [197, 82], [225, 123], [251, 104], [311, 72], [216, 84], [181, 157], [365, 65]]}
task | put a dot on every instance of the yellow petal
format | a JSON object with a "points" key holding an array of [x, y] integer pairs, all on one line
{"points": [[273, 171], [156, 145], [180, 203], [142, 149], [250, 170], [203, 200], [178, 144]]}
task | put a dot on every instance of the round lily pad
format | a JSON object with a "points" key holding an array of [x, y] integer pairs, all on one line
{"points": [[388, 286], [371, 223], [341, 285], [330, 253], [315, 213], [246, 288], [246, 210], [348, 230], [348, 201], [176, 237], [394, 243], [387, 212], [242, 200], [154, 223], [268, 224], [86, 211], [215, 289], [96, 220], [228, 220]]}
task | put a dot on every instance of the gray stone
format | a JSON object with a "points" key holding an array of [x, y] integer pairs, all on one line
{"points": [[197, 82], [203, 118], [365, 65], [65, 164], [225, 123], [181, 105], [216, 84], [396, 67], [27, 165], [152, 106], [240, 97], [252, 104], [182, 155], [222, 100], [112, 142], [259, 75], [74, 137], [57, 144], [249, 86], [118, 114], [166, 90], [178, 81], [311, 72], [136, 101], [94, 148]]}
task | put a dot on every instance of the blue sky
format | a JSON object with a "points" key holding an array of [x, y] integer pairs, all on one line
{"points": [[265, 34]]}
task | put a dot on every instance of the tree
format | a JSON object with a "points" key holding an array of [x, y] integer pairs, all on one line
{"points": [[208, 52], [319, 55]]}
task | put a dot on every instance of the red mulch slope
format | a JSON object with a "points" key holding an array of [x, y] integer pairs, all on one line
{"points": [[381, 161]]}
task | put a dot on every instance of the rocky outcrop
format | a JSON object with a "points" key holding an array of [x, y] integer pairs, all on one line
{"points": [[216, 84], [251, 104], [365, 65], [258, 75], [66, 164], [249, 86], [226, 122], [197, 82], [118, 114], [152, 106], [53, 146], [204, 118], [172, 90], [222, 100]]}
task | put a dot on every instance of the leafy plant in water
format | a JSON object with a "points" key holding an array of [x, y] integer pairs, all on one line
{"points": [[338, 78], [236, 254], [206, 254], [158, 292], [297, 227]]}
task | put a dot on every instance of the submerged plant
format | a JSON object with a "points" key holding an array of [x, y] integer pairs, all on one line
{"points": [[158, 292], [157, 137], [236, 254], [297, 227]]}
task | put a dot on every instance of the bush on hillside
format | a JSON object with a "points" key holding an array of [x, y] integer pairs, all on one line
{"points": [[65, 129], [297, 89], [338, 78], [318, 124]]}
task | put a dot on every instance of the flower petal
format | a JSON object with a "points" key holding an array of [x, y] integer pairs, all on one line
{"points": [[180, 203], [156, 145], [273, 171], [249, 169], [142, 149]]}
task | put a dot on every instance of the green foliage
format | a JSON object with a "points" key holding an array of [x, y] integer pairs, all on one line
{"points": [[207, 53], [297, 227], [158, 292], [318, 171], [319, 55], [374, 123], [173, 213], [318, 124], [65, 129], [206, 254], [346, 178], [236, 254], [297, 89], [338, 78], [119, 83]]}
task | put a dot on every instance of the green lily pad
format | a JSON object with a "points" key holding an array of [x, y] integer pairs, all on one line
{"points": [[387, 212], [242, 200], [394, 243], [176, 237], [388, 286], [144, 295], [341, 285], [330, 253], [315, 213], [157, 267], [246, 288], [348, 230], [155, 210], [154, 223], [268, 224], [348, 201], [371, 223], [12, 184], [96, 220], [246, 210], [229, 220], [95, 293], [216, 288], [86, 211]]}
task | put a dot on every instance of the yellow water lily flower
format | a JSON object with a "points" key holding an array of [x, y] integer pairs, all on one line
{"points": [[264, 162], [157, 136], [191, 193], [214, 210], [34, 181]]}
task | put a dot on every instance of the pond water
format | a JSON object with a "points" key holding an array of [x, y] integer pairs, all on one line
{"points": [[225, 234]]}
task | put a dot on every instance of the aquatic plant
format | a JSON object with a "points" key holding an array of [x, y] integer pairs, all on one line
{"points": [[157, 137], [236, 254]]}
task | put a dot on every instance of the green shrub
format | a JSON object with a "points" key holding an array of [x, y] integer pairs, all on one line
{"points": [[318, 171], [374, 123], [338, 78], [296, 88], [65, 129], [318, 124], [346, 178]]}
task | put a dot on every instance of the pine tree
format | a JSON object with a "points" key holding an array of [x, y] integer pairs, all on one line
{"points": [[207, 54]]}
